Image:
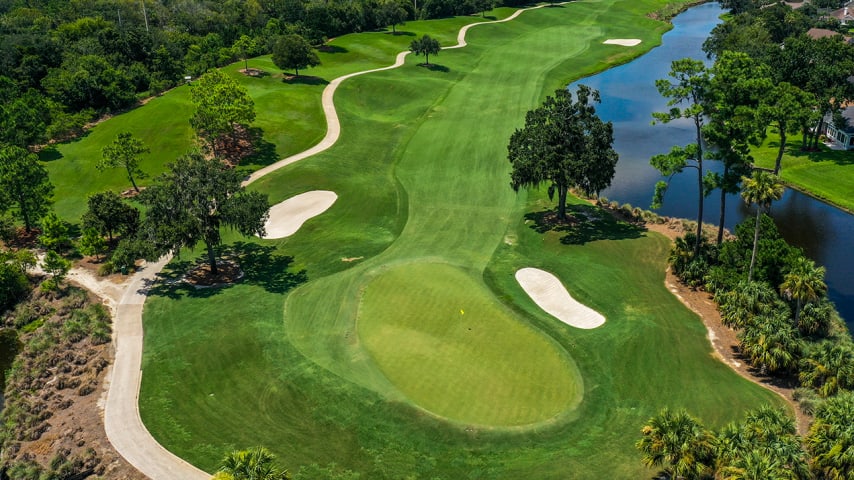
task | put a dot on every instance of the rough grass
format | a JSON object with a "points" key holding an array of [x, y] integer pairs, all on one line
{"points": [[826, 174], [421, 174]]}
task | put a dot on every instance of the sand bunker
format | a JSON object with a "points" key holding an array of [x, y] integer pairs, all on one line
{"points": [[546, 291], [287, 217], [626, 42]]}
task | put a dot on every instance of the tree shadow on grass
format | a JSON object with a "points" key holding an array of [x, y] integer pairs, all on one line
{"points": [[263, 152], [400, 33], [49, 154], [304, 80], [823, 154], [434, 67], [332, 49], [586, 223], [260, 265]]}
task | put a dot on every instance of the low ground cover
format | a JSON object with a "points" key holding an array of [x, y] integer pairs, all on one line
{"points": [[422, 179]]}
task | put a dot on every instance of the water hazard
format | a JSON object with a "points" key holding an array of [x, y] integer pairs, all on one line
{"points": [[629, 97]]}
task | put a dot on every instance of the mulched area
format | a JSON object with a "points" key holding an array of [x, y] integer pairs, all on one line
{"points": [[228, 272]]}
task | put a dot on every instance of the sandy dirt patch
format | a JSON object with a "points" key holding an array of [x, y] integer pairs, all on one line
{"points": [[546, 291], [626, 42], [287, 217]]}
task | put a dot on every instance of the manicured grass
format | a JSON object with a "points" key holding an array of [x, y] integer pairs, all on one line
{"points": [[162, 124], [303, 361], [827, 174], [459, 355], [289, 115]]}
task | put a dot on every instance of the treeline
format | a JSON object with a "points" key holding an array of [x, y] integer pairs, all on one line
{"points": [[775, 37], [63, 63]]}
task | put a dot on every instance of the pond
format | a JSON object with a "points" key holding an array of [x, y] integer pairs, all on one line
{"points": [[629, 97]]}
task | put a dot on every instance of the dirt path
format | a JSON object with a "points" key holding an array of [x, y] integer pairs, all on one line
{"points": [[124, 427]]}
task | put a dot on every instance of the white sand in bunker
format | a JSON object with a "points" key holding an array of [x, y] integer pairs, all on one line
{"points": [[287, 217], [626, 42], [546, 291]]}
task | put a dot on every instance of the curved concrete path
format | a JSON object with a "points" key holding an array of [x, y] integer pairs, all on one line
{"points": [[122, 422]]}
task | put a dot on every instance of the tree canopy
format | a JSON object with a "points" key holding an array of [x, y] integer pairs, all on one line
{"points": [[124, 151], [426, 46], [24, 185], [110, 215], [689, 85], [294, 52], [222, 105], [192, 201], [565, 144]]}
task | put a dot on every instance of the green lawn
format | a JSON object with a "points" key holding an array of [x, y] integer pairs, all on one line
{"points": [[366, 363], [826, 174]]}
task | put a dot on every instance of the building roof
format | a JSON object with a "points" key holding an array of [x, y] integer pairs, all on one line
{"points": [[816, 33]]}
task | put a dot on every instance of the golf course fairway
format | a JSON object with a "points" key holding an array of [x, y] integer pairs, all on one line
{"points": [[346, 348]]}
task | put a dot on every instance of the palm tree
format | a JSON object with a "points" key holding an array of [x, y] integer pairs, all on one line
{"points": [[831, 438], [765, 446], [745, 302], [804, 283], [678, 443], [762, 189], [253, 464], [828, 368], [771, 344]]}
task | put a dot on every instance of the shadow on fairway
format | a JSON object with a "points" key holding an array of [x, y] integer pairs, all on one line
{"points": [[260, 265], [586, 223], [49, 154], [433, 67], [304, 80], [263, 152], [332, 49], [401, 33]]}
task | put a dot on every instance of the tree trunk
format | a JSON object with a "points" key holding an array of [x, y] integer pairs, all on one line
{"points": [[561, 202], [132, 182], [24, 212], [427, 59], [755, 242], [780, 151], [797, 311], [245, 63], [723, 206], [700, 185], [814, 143], [212, 259], [296, 72]]}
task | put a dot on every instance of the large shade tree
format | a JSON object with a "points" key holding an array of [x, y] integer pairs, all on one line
{"points": [[735, 90], [24, 185], [294, 52], [687, 91], [761, 189], [110, 215], [222, 106], [564, 144], [426, 46], [192, 201], [788, 109]]}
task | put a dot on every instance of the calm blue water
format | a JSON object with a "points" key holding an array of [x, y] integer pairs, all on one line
{"points": [[629, 97]]}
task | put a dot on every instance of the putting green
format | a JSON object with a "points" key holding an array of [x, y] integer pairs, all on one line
{"points": [[443, 340]]}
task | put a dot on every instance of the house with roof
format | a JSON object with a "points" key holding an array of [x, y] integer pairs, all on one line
{"points": [[840, 137]]}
